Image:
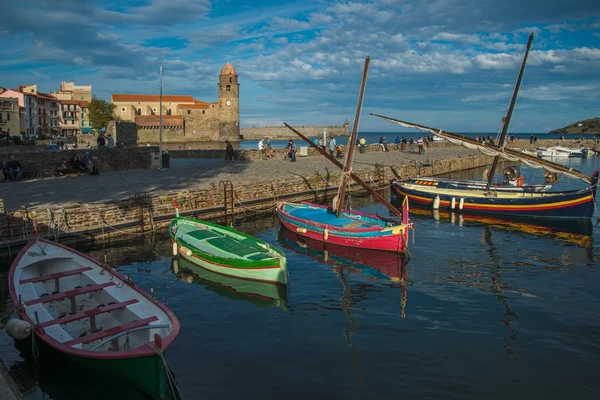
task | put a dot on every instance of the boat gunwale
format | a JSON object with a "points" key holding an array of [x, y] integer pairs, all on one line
{"points": [[141, 351]]}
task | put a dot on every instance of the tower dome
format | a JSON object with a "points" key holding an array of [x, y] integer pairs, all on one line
{"points": [[228, 69]]}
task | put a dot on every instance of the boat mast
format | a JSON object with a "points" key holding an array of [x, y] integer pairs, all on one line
{"points": [[506, 120], [160, 123], [352, 141], [356, 178]]}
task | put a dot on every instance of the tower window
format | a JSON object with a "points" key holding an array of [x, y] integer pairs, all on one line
{"points": [[189, 111], [228, 88], [122, 108], [203, 112], [230, 79], [169, 111], [139, 111]]}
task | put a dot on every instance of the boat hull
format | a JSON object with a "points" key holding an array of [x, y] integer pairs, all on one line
{"points": [[572, 204], [393, 238], [271, 269]]}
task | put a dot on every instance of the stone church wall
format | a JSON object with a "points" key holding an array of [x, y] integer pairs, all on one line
{"points": [[281, 132]]}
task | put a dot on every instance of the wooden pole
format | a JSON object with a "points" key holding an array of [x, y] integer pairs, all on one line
{"points": [[506, 122], [356, 178], [352, 141]]}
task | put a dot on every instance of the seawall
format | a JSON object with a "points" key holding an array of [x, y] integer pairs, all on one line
{"points": [[281, 132]]}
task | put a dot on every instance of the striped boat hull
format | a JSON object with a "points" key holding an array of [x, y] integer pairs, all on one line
{"points": [[569, 204], [393, 238]]}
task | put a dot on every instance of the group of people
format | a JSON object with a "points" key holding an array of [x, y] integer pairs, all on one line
{"points": [[79, 162], [10, 170]]}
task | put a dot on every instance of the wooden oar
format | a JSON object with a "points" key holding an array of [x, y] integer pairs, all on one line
{"points": [[390, 207]]}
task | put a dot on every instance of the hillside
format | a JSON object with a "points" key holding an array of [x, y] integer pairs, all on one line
{"points": [[585, 127]]}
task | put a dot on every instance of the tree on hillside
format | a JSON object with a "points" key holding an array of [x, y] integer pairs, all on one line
{"points": [[100, 112]]}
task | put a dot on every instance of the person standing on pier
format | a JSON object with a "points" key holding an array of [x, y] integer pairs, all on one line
{"points": [[262, 148], [332, 146], [228, 151]]}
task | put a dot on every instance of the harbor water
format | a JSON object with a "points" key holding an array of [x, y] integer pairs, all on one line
{"points": [[485, 308]]}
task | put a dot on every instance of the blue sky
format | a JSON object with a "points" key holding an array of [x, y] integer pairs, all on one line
{"points": [[450, 64]]}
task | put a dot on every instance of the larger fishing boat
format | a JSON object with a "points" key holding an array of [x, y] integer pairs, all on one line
{"points": [[343, 226], [529, 204]]}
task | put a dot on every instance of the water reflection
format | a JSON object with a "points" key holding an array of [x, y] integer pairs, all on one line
{"points": [[261, 294], [373, 264]]}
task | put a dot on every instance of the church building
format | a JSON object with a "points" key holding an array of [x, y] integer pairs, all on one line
{"points": [[183, 116]]}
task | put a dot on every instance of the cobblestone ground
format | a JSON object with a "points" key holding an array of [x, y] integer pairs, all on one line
{"points": [[192, 173]]}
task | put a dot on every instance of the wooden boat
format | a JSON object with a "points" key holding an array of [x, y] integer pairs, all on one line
{"points": [[261, 294], [346, 227], [93, 315], [353, 229], [503, 186], [566, 204], [563, 204], [228, 252]]}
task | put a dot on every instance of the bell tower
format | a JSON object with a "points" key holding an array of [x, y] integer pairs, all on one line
{"points": [[229, 104]]}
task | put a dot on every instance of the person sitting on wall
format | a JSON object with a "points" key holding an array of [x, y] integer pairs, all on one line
{"points": [[339, 152], [111, 141], [76, 162], [228, 151], [101, 140], [3, 171], [397, 142], [14, 169]]}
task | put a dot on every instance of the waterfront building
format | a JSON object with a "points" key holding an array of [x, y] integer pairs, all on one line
{"points": [[74, 117], [41, 110], [10, 116], [201, 120]]}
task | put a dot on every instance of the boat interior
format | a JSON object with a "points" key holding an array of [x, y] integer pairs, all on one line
{"points": [[479, 193], [81, 305], [327, 217], [222, 244]]}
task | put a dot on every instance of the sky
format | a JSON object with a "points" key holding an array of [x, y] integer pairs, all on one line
{"points": [[449, 64]]}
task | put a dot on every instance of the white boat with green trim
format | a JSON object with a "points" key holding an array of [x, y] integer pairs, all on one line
{"points": [[226, 251]]}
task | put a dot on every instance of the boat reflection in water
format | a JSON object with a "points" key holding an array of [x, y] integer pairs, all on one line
{"points": [[261, 294], [374, 264]]}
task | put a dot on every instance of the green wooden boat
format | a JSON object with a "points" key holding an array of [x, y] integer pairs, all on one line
{"points": [[226, 251]]}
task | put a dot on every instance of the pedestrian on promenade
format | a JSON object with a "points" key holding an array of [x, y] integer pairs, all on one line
{"points": [[111, 141], [397, 141], [262, 148], [420, 145], [269, 149], [361, 143], [332, 145], [411, 145], [531, 139], [14, 168], [228, 151]]}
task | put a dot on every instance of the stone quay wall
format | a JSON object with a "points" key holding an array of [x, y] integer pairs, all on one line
{"points": [[150, 211], [106, 160], [281, 132]]}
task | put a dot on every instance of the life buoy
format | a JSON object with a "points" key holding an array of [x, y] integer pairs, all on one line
{"points": [[520, 180]]}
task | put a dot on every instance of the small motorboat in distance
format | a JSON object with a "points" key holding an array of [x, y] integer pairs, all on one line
{"points": [[93, 315]]}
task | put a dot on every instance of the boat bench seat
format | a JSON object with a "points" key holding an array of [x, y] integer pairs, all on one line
{"points": [[202, 234], [111, 331], [89, 313], [44, 278], [69, 294]]}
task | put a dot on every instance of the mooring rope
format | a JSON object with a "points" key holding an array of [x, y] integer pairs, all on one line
{"points": [[170, 377], [156, 227]]}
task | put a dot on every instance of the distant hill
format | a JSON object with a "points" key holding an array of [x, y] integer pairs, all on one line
{"points": [[585, 127]]}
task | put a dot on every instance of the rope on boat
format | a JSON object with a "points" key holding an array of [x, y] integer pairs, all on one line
{"points": [[34, 348], [55, 225], [170, 377], [271, 208]]}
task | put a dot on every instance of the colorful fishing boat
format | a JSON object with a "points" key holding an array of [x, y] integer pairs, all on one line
{"points": [[226, 251], [261, 294], [90, 313], [352, 228], [342, 226], [530, 204]]}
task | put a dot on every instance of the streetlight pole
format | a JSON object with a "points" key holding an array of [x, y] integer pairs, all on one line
{"points": [[160, 134]]}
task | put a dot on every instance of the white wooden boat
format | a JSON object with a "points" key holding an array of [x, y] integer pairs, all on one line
{"points": [[92, 314]]}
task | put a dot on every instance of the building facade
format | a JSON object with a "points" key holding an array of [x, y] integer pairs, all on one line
{"points": [[40, 111], [10, 116], [70, 91], [184, 115], [74, 117]]}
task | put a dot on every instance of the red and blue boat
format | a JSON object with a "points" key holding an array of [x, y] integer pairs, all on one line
{"points": [[352, 228]]}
